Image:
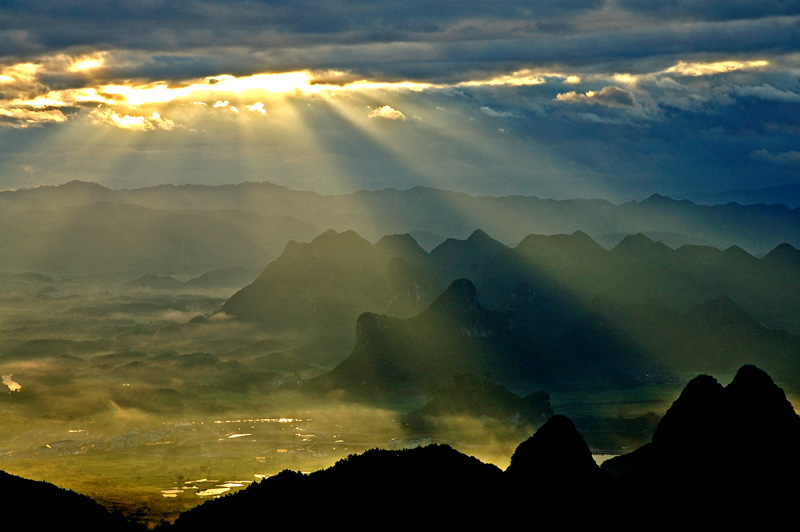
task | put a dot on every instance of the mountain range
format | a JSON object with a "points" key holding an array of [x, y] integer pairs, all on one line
{"points": [[329, 281], [82, 227], [456, 334]]}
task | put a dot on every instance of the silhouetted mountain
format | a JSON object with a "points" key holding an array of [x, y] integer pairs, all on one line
{"points": [[156, 282], [555, 458], [470, 395], [562, 250], [788, 195], [405, 247], [721, 456], [43, 506], [783, 256], [717, 450], [70, 194], [597, 345], [672, 240], [233, 277], [324, 351], [323, 286], [716, 336], [638, 270], [379, 488], [465, 257], [553, 294], [456, 334], [722, 312]]}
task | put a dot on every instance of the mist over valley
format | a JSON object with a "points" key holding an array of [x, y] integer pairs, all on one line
{"points": [[173, 367]]}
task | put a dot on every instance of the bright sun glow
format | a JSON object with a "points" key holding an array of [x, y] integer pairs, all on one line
{"points": [[518, 78], [706, 69], [25, 100]]}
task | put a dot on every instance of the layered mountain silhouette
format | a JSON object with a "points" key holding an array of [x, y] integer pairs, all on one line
{"points": [[720, 456], [717, 336], [546, 280], [553, 304], [456, 334], [786, 194], [83, 227]]}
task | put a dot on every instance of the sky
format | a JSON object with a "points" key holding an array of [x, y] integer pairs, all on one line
{"points": [[617, 99]]}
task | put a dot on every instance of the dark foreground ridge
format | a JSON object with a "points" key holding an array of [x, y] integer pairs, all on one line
{"points": [[33, 505], [721, 455]]}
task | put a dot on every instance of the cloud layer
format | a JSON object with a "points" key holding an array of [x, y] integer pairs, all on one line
{"points": [[617, 98]]}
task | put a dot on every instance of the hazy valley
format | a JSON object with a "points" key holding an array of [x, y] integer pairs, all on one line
{"points": [[159, 344]]}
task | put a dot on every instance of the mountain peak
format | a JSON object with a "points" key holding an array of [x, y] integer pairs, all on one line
{"points": [[755, 395], [580, 235], [556, 454], [735, 252], [77, 184], [577, 244], [656, 197], [335, 242], [332, 234], [752, 407], [404, 239], [692, 412], [749, 376], [461, 296], [481, 239], [639, 242], [401, 246], [721, 311], [783, 254], [479, 235], [478, 238], [661, 199]]}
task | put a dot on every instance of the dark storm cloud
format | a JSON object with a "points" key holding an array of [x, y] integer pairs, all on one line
{"points": [[625, 97], [134, 23], [415, 39], [636, 50], [714, 9]]}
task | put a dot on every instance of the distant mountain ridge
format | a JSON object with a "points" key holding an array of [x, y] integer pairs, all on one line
{"points": [[788, 195], [227, 218], [105, 237]]}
